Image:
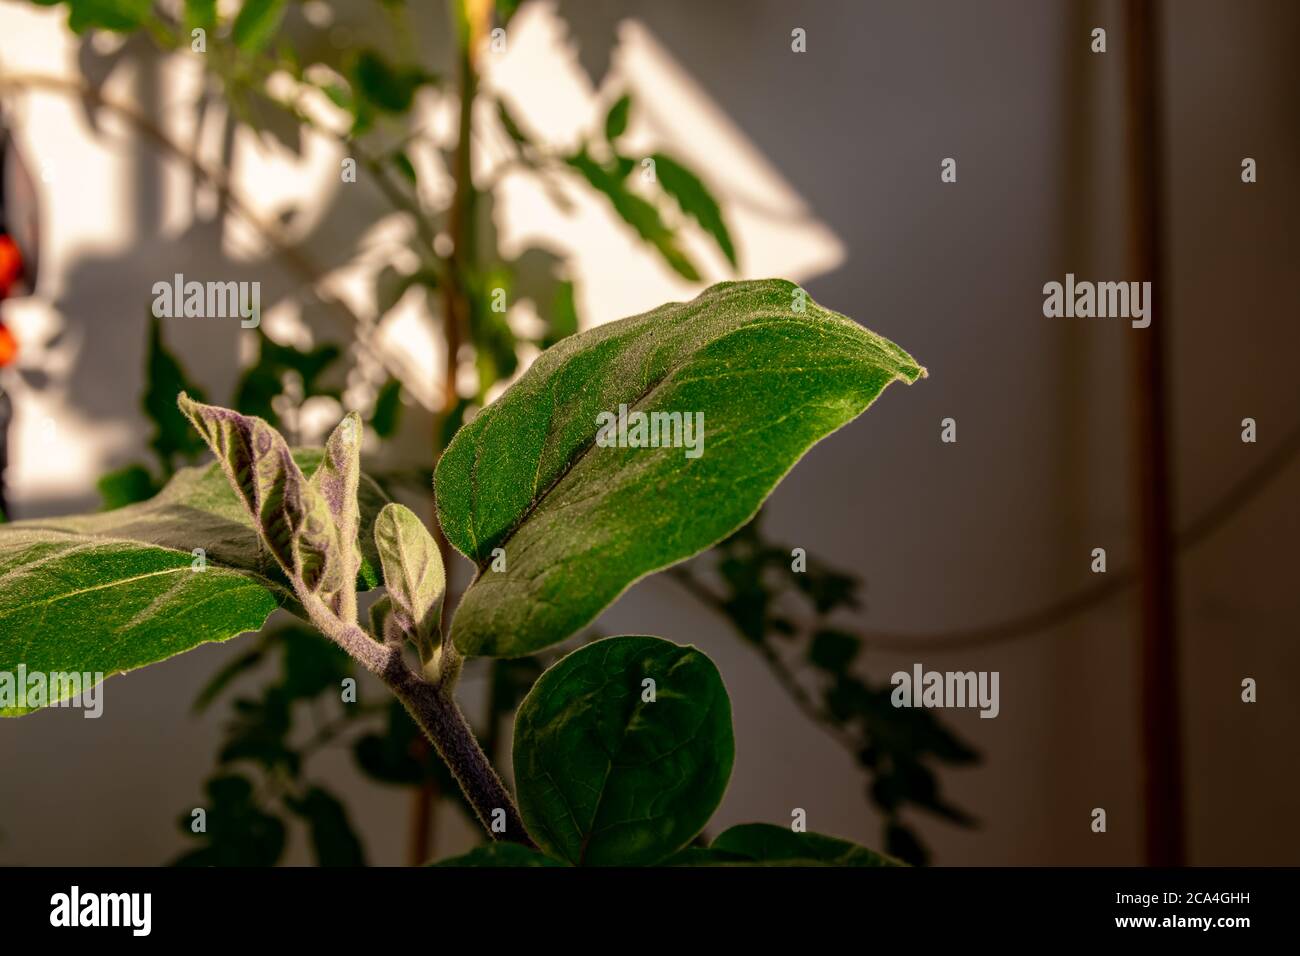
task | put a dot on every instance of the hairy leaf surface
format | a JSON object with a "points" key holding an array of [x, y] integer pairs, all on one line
{"points": [[579, 523], [612, 770], [113, 591]]}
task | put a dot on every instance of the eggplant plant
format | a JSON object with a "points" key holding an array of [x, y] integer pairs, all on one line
{"points": [[623, 749]]}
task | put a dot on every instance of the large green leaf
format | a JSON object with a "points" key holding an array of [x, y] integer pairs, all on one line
{"points": [[622, 751], [110, 592], [579, 523]]}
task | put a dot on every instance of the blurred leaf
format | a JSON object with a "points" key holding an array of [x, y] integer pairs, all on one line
{"points": [[617, 117], [224, 677], [259, 732], [402, 161], [512, 128], [256, 23], [312, 664], [200, 13], [126, 486], [388, 409], [387, 87], [239, 832], [902, 842], [636, 212], [332, 836], [695, 201], [119, 16], [833, 650], [165, 378], [506, 9], [264, 381], [563, 315]]}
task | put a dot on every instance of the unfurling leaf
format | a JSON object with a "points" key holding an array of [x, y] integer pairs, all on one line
{"points": [[337, 479], [611, 773], [762, 368], [413, 575], [290, 513]]}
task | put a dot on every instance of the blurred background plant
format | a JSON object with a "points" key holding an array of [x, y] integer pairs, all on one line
{"points": [[273, 70]]}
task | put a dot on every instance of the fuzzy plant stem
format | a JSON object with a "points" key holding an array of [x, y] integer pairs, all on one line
{"points": [[435, 711]]}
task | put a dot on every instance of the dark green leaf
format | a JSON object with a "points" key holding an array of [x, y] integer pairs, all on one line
{"points": [[695, 200], [388, 409], [607, 776], [239, 832], [387, 87], [833, 650], [332, 836], [120, 16], [580, 523], [173, 437], [617, 117]]}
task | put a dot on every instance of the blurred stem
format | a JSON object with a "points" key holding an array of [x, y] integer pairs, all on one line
{"points": [[471, 18]]}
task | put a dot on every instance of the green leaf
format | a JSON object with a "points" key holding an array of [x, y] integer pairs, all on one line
{"points": [[637, 213], [580, 523], [768, 844], [166, 379], [563, 315], [617, 117], [110, 592], [200, 13], [100, 605], [413, 572], [695, 201], [120, 16], [614, 770], [264, 381], [126, 486], [500, 854], [256, 23], [388, 409], [387, 87]]}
